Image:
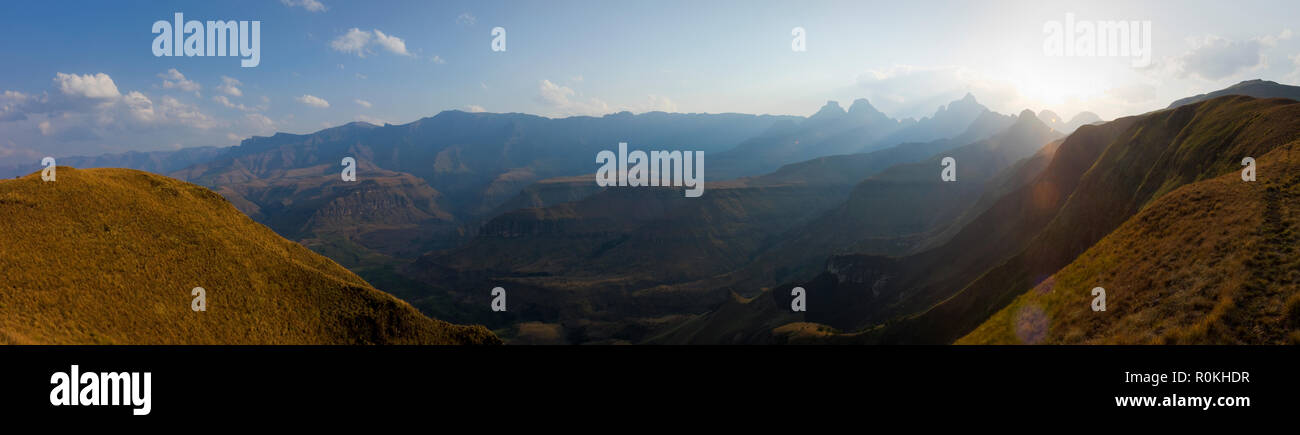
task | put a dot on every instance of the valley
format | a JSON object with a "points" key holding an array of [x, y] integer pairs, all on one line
{"points": [[846, 204]]}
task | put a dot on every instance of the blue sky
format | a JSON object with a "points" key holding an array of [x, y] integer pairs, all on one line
{"points": [[590, 58]]}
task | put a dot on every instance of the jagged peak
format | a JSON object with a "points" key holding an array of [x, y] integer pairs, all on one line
{"points": [[1027, 119], [861, 105], [831, 108], [966, 104]]}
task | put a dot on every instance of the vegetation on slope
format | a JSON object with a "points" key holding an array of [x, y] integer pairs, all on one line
{"points": [[1210, 263], [109, 256], [1160, 152]]}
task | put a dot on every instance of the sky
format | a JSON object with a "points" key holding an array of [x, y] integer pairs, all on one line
{"points": [[81, 78]]}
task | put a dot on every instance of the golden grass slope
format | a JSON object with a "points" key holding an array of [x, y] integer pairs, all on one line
{"points": [[109, 256], [1213, 262]]}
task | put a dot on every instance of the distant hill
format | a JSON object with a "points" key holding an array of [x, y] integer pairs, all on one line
{"points": [[389, 212], [891, 211], [480, 160], [947, 121], [158, 162], [585, 261], [109, 256], [835, 131], [1251, 88], [1068, 126]]}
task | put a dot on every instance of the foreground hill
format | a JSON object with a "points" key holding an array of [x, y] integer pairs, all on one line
{"points": [[1211, 262], [1159, 153], [109, 256]]}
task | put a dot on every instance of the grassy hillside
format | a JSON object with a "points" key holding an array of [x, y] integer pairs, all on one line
{"points": [[1160, 152], [109, 256], [1210, 263], [1099, 177]]}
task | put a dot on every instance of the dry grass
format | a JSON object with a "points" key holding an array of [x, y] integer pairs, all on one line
{"points": [[109, 256], [1210, 263]]}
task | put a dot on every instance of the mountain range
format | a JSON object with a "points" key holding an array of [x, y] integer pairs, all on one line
{"points": [[848, 205]]}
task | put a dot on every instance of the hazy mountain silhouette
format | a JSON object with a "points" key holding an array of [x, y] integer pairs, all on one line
{"points": [[480, 160], [1060, 124], [158, 162]]}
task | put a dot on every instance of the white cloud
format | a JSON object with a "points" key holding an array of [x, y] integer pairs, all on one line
{"points": [[1135, 93], [97, 86], [221, 99], [310, 5], [12, 151], [230, 86], [182, 113], [10, 106], [359, 42], [564, 101], [371, 119], [313, 101], [352, 42], [258, 123], [363, 103], [466, 19], [438, 60], [139, 107], [473, 108], [173, 79], [659, 103], [1214, 58], [1293, 77], [916, 91], [391, 43], [553, 95]]}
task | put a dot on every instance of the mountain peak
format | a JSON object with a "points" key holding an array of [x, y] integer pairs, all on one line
{"points": [[1253, 82], [861, 105], [1257, 88], [1027, 119], [967, 104], [1049, 116], [832, 108], [1084, 117]]}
